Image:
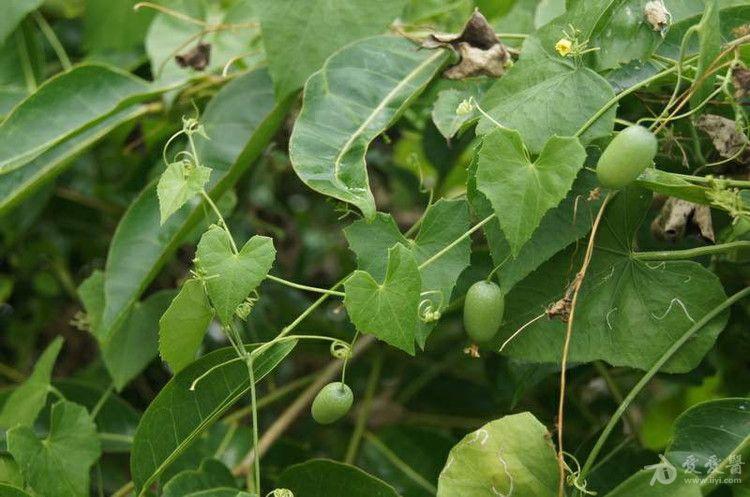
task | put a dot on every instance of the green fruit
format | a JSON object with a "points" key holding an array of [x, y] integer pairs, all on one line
{"points": [[332, 403], [483, 310], [626, 156]]}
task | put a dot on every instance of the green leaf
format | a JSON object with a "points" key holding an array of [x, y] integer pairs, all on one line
{"points": [[508, 456], [299, 35], [444, 222], [178, 415], [231, 277], [13, 13], [642, 483], [615, 321], [9, 491], [26, 401], [543, 95], [360, 91], [116, 420], [19, 184], [64, 106], [180, 182], [387, 310], [58, 465], [324, 478], [241, 119], [169, 36], [711, 438], [521, 191], [114, 30], [709, 37], [210, 475], [559, 227], [447, 116], [183, 325], [134, 344]]}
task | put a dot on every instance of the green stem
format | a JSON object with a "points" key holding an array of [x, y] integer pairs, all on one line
{"points": [[124, 490], [310, 309], [102, 400], [304, 287], [455, 242], [400, 464], [270, 398], [23, 54], [364, 413], [652, 371], [706, 180], [678, 255], [11, 373], [254, 405], [222, 222], [53, 40]]}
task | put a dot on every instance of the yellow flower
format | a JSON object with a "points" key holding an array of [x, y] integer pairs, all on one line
{"points": [[564, 46]]}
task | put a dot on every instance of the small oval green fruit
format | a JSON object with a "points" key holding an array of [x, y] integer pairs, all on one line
{"points": [[626, 157], [483, 310], [332, 403]]}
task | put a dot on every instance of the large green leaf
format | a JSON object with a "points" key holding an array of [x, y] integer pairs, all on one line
{"points": [[324, 478], [387, 310], [711, 440], [58, 465], [231, 277], [543, 95], [178, 415], [113, 30], [63, 106], [241, 120], [357, 94], [520, 190], [509, 456], [133, 344], [26, 401], [299, 35], [13, 13], [629, 311], [560, 227], [17, 185], [643, 483], [181, 181], [183, 325], [443, 223]]}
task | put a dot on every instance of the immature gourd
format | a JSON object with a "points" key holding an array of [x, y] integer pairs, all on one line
{"points": [[483, 310], [332, 403], [626, 156]]}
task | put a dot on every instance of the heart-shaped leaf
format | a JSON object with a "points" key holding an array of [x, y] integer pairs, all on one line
{"points": [[211, 474], [509, 456], [231, 277], [444, 222], [178, 184], [387, 310], [58, 465], [358, 93], [26, 401], [520, 190], [183, 325], [544, 95], [615, 321]]}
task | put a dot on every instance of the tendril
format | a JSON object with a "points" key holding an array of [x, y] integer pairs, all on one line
{"points": [[341, 349], [428, 311]]}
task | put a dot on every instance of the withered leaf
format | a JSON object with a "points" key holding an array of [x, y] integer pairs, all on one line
{"points": [[657, 16], [678, 218], [477, 32], [197, 57], [727, 139], [741, 82]]}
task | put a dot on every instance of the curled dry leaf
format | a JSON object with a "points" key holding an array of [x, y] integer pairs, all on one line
{"points": [[679, 217], [657, 16], [728, 140], [197, 57], [741, 81], [481, 52]]}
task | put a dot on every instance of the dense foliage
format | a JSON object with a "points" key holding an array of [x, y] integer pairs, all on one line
{"points": [[358, 248]]}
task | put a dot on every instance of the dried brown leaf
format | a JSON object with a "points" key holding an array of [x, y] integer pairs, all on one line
{"points": [[727, 139], [679, 217], [197, 57]]}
